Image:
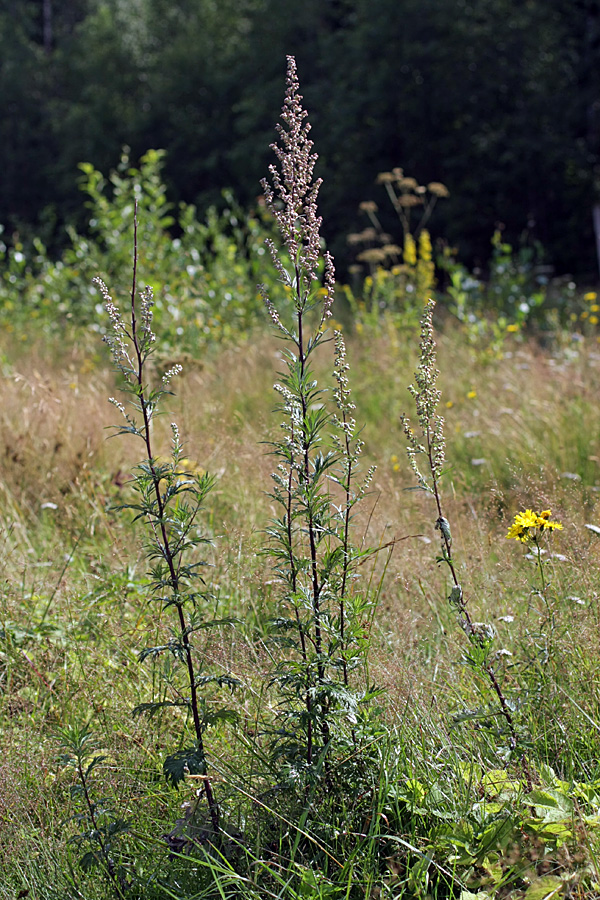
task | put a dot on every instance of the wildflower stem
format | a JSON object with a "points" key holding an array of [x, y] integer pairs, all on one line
{"points": [[110, 866], [163, 537], [427, 397]]}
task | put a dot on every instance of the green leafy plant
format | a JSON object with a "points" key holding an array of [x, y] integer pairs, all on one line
{"points": [[202, 273], [169, 502], [516, 294], [98, 828], [315, 482]]}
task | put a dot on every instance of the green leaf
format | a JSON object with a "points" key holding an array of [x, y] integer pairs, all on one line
{"points": [[92, 765], [550, 805], [88, 861], [152, 708], [182, 763], [220, 715], [544, 888], [221, 680], [497, 783]]}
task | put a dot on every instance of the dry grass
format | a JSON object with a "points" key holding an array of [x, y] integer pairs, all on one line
{"points": [[75, 566]]}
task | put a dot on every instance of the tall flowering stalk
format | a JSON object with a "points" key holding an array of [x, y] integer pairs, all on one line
{"points": [[428, 441], [317, 455], [169, 500]]}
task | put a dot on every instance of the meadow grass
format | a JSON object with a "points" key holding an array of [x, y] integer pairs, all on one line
{"points": [[74, 611], [345, 700]]}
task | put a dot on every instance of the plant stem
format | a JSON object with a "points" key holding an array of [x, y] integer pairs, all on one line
{"points": [[110, 866], [163, 539], [447, 553], [316, 587], [294, 583]]}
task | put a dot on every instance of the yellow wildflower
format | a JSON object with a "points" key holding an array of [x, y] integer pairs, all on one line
{"points": [[513, 327], [591, 295], [425, 248], [410, 250], [594, 320], [517, 532], [471, 395], [529, 525], [527, 519]]}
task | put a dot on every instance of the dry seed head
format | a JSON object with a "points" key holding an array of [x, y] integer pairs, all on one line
{"points": [[438, 189], [115, 339]]}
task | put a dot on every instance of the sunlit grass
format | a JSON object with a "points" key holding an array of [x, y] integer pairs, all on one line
{"points": [[73, 611]]}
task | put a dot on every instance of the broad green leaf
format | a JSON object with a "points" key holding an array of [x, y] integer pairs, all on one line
{"points": [[544, 888]]}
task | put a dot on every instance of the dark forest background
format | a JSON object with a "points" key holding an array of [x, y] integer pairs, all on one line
{"points": [[498, 99]]}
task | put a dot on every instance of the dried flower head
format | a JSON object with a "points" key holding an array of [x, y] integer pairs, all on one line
{"points": [[408, 201], [408, 183], [373, 255], [438, 189], [386, 178]]}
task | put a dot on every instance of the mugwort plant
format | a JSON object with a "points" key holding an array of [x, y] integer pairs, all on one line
{"points": [[169, 502], [315, 486]]}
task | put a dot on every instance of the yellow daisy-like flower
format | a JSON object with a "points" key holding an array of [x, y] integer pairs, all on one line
{"points": [[550, 526], [591, 295], [517, 532], [527, 519], [529, 525]]}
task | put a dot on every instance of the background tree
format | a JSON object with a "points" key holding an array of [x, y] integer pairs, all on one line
{"points": [[497, 100]]}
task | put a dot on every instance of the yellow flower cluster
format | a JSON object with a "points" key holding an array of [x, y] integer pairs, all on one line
{"points": [[591, 298], [529, 525]]}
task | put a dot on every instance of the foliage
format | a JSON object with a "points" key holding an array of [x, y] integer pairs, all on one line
{"points": [[169, 501], [98, 828], [202, 279], [498, 99], [517, 294]]}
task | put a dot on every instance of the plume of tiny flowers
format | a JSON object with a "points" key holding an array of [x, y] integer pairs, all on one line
{"points": [[293, 202], [341, 393], [427, 398], [345, 440], [119, 334]]}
